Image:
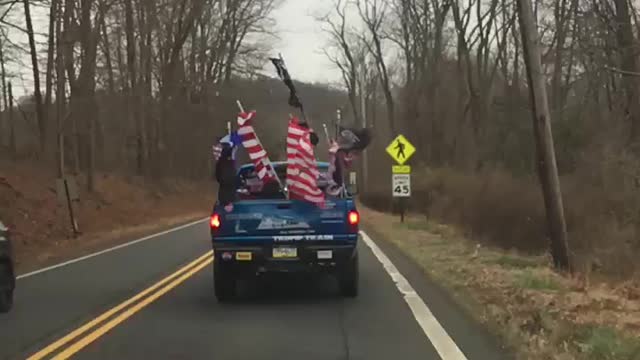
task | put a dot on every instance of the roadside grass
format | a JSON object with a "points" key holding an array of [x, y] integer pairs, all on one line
{"points": [[510, 261], [528, 280], [538, 313], [602, 342]]}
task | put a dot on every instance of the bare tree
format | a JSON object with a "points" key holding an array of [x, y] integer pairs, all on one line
{"points": [[36, 77], [372, 13], [50, 59], [345, 53], [60, 91]]}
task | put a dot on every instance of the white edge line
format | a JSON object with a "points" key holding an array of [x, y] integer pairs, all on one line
{"points": [[437, 335], [89, 256]]}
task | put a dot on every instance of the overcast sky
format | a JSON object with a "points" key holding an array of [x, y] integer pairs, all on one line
{"points": [[300, 41]]}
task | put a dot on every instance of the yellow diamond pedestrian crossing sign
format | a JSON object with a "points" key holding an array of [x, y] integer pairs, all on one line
{"points": [[400, 149]]}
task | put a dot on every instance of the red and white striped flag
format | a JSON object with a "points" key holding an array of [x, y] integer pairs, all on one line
{"points": [[294, 134], [257, 153], [302, 169]]}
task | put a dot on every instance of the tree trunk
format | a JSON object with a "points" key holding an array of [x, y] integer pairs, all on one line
{"points": [[3, 77], [627, 49], [561, 37], [60, 95], [111, 83], [67, 45], [86, 105], [42, 126], [112, 98], [547, 168], [50, 59], [131, 67]]}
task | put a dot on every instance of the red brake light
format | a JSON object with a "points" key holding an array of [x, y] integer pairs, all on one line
{"points": [[353, 217], [214, 222]]}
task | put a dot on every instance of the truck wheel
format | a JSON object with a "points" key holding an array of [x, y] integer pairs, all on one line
{"points": [[6, 300], [224, 283], [6, 289], [348, 278]]}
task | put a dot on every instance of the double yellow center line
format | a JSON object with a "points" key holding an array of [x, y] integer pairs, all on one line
{"points": [[126, 310]]}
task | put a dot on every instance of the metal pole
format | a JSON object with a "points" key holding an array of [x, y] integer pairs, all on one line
{"points": [[338, 121], [326, 133], [74, 225]]}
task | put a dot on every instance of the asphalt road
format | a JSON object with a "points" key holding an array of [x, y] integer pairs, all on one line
{"points": [[82, 310]]}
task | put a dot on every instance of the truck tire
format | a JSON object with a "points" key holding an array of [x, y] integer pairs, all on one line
{"points": [[6, 300], [6, 288], [224, 283], [348, 278]]}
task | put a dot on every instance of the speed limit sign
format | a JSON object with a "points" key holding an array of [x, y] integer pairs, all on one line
{"points": [[401, 185]]}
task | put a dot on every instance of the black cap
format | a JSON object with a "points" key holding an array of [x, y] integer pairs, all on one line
{"points": [[313, 137]]}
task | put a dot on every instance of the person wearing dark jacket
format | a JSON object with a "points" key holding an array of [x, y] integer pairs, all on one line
{"points": [[226, 176], [7, 274]]}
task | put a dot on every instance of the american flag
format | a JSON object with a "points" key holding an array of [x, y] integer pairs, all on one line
{"points": [[257, 153], [231, 140], [302, 169]]}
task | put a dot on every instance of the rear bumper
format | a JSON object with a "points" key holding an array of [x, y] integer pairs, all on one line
{"points": [[321, 256]]}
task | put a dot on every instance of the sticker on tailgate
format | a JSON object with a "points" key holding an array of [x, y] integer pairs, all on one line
{"points": [[274, 223], [302, 237]]}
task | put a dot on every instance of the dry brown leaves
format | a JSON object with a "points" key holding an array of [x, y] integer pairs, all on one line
{"points": [[119, 209]]}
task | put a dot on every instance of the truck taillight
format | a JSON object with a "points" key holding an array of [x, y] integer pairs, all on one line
{"points": [[214, 221], [353, 217]]}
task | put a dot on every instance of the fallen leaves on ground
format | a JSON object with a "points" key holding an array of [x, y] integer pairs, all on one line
{"points": [[120, 208]]}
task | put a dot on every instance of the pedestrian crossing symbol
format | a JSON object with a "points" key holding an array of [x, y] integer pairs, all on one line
{"points": [[400, 149]]}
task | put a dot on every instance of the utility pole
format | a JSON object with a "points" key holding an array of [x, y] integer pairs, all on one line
{"points": [[546, 158]]}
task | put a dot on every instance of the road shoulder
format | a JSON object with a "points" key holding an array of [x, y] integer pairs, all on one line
{"points": [[537, 313], [87, 244], [470, 336]]}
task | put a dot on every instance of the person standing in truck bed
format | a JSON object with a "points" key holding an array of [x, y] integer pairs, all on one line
{"points": [[7, 274], [225, 176]]}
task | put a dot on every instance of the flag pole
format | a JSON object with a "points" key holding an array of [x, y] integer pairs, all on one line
{"points": [[275, 174], [326, 133], [304, 116]]}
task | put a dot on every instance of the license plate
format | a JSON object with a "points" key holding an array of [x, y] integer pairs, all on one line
{"points": [[285, 252], [325, 254], [243, 256]]}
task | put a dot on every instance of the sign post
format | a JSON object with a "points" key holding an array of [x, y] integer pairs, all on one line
{"points": [[67, 191], [400, 150]]}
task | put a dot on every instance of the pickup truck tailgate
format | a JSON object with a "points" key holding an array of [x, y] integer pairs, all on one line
{"points": [[286, 219]]}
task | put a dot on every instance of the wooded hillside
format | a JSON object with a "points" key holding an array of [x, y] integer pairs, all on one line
{"points": [[144, 87]]}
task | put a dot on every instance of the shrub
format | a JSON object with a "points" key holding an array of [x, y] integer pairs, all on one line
{"points": [[499, 209]]}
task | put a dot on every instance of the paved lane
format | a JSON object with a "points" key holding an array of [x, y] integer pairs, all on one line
{"points": [[304, 319], [49, 304], [293, 319]]}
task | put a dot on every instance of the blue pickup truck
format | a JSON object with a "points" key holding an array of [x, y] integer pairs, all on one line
{"points": [[267, 233], [7, 275]]}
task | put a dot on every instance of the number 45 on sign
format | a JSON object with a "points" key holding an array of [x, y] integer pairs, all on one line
{"points": [[401, 185]]}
